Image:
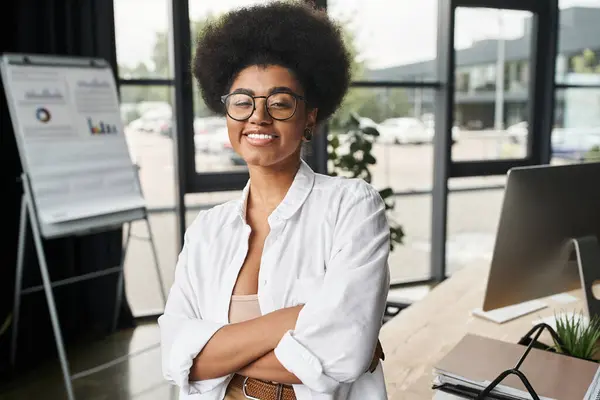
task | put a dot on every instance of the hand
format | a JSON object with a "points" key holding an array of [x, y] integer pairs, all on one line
{"points": [[376, 356]]}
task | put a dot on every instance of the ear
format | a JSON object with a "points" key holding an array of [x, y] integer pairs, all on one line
{"points": [[311, 117]]}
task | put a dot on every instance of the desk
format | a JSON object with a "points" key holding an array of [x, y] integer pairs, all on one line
{"points": [[416, 339]]}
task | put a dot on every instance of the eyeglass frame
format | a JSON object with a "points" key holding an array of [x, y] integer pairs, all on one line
{"points": [[294, 95]]}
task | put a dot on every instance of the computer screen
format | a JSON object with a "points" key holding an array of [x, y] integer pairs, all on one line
{"points": [[544, 208]]}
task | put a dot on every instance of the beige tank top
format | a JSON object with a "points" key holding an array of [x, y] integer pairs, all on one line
{"points": [[242, 308]]}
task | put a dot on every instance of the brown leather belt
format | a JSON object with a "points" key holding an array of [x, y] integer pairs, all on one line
{"points": [[255, 389]]}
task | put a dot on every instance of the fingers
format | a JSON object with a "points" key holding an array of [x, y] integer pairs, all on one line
{"points": [[378, 354]]}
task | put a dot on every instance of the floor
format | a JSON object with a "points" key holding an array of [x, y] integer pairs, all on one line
{"points": [[137, 377]]}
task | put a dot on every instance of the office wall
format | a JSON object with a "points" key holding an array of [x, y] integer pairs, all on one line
{"points": [[65, 27]]}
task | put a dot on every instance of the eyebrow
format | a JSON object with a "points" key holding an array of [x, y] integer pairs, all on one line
{"points": [[275, 89]]}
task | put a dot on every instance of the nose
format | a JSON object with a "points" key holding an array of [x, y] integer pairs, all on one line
{"points": [[260, 116]]}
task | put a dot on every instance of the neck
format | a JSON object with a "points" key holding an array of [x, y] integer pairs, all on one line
{"points": [[269, 185]]}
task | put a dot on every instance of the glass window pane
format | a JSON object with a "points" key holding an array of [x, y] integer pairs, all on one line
{"points": [[410, 261], [404, 149], [474, 206], [403, 162], [579, 43], [142, 42], [148, 117], [214, 152], [576, 132], [492, 83], [387, 43]]}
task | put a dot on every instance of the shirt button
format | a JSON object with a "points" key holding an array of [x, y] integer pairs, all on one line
{"points": [[264, 282]]}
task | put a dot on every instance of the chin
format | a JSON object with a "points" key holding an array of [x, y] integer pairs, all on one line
{"points": [[258, 157], [266, 160], [258, 161]]}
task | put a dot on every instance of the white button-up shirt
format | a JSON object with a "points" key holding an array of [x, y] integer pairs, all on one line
{"points": [[328, 249]]}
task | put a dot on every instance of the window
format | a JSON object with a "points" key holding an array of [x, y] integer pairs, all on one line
{"points": [[474, 206], [579, 43], [576, 132], [142, 43], [387, 43], [148, 118], [491, 114]]}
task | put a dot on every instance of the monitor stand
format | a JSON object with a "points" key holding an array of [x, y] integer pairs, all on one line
{"points": [[587, 253]]}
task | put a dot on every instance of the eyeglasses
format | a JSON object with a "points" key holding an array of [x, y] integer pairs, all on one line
{"points": [[279, 105]]}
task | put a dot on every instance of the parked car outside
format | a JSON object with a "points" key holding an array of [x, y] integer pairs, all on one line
{"points": [[568, 143], [210, 134], [429, 121], [404, 130], [517, 133]]}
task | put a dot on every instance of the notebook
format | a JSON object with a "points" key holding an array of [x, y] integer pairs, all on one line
{"points": [[476, 361]]}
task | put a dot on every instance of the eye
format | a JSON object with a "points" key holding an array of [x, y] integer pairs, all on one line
{"points": [[280, 105], [281, 101], [240, 100]]}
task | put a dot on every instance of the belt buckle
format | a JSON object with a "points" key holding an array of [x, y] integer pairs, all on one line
{"points": [[245, 392], [279, 391]]}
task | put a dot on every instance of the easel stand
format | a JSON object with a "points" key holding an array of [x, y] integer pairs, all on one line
{"points": [[28, 213]]}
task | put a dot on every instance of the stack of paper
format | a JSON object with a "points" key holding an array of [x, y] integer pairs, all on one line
{"points": [[476, 361], [456, 384]]}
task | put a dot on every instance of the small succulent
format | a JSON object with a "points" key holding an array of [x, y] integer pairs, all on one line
{"points": [[579, 338]]}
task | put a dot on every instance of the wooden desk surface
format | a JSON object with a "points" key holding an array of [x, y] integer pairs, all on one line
{"points": [[422, 334]]}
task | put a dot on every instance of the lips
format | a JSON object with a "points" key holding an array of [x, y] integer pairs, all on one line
{"points": [[259, 138]]}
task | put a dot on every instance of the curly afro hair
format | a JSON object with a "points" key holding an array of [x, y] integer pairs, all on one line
{"points": [[289, 34]]}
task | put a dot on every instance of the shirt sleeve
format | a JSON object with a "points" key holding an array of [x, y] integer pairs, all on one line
{"points": [[184, 333], [337, 330]]}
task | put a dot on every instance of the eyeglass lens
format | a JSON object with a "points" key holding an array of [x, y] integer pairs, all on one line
{"points": [[280, 106]]}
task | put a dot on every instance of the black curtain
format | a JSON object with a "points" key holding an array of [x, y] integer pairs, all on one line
{"points": [[60, 27]]}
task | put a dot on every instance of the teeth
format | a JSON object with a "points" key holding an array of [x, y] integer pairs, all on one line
{"points": [[260, 136]]}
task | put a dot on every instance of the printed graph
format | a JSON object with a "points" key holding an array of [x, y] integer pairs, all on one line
{"points": [[101, 127]]}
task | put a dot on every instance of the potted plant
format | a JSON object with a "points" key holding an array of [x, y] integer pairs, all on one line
{"points": [[577, 336], [350, 155]]}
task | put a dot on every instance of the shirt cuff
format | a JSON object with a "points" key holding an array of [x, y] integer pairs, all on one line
{"points": [[305, 365], [189, 342]]}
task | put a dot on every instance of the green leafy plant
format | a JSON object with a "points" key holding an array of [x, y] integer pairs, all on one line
{"points": [[593, 155], [350, 154], [578, 338]]}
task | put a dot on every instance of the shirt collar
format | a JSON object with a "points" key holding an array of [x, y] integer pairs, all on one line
{"points": [[293, 200]]}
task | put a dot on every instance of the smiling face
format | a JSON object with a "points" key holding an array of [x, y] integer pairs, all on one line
{"points": [[262, 140]]}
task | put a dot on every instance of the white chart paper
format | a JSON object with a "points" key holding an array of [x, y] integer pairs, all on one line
{"points": [[71, 135]]}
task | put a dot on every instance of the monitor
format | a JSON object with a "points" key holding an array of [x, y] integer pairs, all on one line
{"points": [[548, 211]]}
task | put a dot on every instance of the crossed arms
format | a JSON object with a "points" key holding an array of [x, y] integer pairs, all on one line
{"points": [[247, 348]]}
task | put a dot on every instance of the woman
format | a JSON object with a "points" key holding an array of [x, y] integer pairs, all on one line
{"points": [[280, 294]]}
